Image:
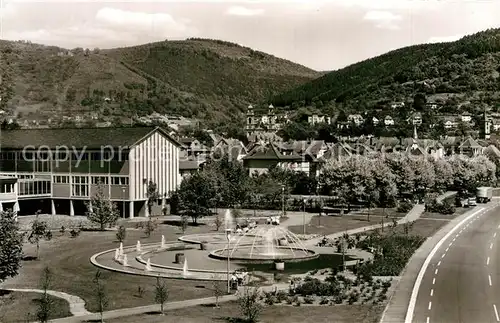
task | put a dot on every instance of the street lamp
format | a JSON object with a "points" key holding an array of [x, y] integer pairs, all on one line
{"points": [[283, 199], [123, 196], [304, 217], [228, 237]]}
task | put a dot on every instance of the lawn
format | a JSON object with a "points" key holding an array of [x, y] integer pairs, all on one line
{"points": [[421, 227], [68, 258], [229, 312], [22, 307], [432, 215], [324, 225]]}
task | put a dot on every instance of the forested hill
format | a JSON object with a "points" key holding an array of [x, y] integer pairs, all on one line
{"points": [[201, 78], [466, 69]]}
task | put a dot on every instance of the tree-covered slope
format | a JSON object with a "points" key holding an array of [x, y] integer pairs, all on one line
{"points": [[206, 79], [468, 68]]}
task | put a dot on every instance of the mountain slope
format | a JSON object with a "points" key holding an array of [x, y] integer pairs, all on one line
{"points": [[465, 69], [199, 78]]}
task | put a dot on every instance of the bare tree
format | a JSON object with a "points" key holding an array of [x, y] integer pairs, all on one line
{"points": [[45, 303], [217, 222], [161, 293], [101, 295], [219, 288]]}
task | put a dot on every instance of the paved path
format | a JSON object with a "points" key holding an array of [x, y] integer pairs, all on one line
{"points": [[76, 304]]}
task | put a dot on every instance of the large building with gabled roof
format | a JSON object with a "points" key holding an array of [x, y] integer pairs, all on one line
{"points": [[58, 170]]}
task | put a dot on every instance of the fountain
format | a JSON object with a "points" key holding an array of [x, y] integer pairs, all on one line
{"points": [[117, 254], [265, 244], [162, 242], [138, 246], [185, 268], [125, 260], [148, 265], [228, 220], [121, 249]]}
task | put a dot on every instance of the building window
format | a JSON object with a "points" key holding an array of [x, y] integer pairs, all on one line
{"points": [[116, 180], [6, 188], [25, 176], [80, 186], [96, 180], [61, 179], [34, 188]]}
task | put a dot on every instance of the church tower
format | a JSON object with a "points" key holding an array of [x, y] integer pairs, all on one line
{"points": [[250, 119], [486, 126]]}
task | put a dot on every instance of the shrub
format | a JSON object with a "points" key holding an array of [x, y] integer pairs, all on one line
{"points": [[250, 306], [324, 301], [404, 207], [62, 230], [308, 299], [74, 233]]}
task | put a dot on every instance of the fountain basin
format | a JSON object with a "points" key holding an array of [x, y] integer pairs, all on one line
{"points": [[244, 255]]}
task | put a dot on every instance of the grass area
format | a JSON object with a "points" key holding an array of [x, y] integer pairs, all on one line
{"points": [[421, 227], [22, 307], [228, 312], [433, 215], [68, 258], [324, 225]]}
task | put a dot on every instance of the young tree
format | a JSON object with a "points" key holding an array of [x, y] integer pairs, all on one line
{"points": [[100, 295], [217, 222], [11, 245], [184, 223], [45, 303], [102, 210], [39, 232], [149, 227], [152, 195], [249, 304], [219, 288], [161, 293], [121, 233]]}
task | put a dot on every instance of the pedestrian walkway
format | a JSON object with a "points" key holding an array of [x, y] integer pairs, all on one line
{"points": [[76, 304]]}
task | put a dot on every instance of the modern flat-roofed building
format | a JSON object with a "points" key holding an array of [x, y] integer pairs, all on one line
{"points": [[58, 170]]}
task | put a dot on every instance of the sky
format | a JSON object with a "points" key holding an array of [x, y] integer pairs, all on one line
{"points": [[320, 34]]}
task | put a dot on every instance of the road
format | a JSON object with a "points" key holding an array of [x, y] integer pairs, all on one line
{"points": [[460, 281]]}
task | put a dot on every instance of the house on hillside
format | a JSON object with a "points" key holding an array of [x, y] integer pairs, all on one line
{"points": [[261, 158], [470, 147], [356, 119], [233, 148], [388, 121], [318, 119], [193, 147]]}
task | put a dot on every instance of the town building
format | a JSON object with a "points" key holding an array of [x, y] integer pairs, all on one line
{"points": [[57, 171]]}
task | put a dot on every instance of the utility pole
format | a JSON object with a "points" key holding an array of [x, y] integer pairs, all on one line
{"points": [[283, 200]]}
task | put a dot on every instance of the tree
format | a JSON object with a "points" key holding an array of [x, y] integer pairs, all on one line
{"points": [[161, 293], [184, 223], [152, 195], [444, 174], [149, 227], [11, 245], [196, 194], [121, 233], [102, 210], [39, 232], [45, 303], [219, 288], [249, 304], [100, 294], [217, 222]]}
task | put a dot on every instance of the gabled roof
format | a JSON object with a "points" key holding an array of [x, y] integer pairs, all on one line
{"points": [[337, 151], [315, 147], [492, 152], [470, 143], [269, 152], [89, 138]]}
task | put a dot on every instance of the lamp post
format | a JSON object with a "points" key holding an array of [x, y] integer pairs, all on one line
{"points": [[228, 237], [304, 217], [123, 196], [283, 200]]}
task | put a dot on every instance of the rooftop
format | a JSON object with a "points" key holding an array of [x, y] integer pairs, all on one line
{"points": [[90, 138]]}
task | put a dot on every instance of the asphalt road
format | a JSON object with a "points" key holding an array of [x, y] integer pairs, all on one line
{"points": [[462, 281]]}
